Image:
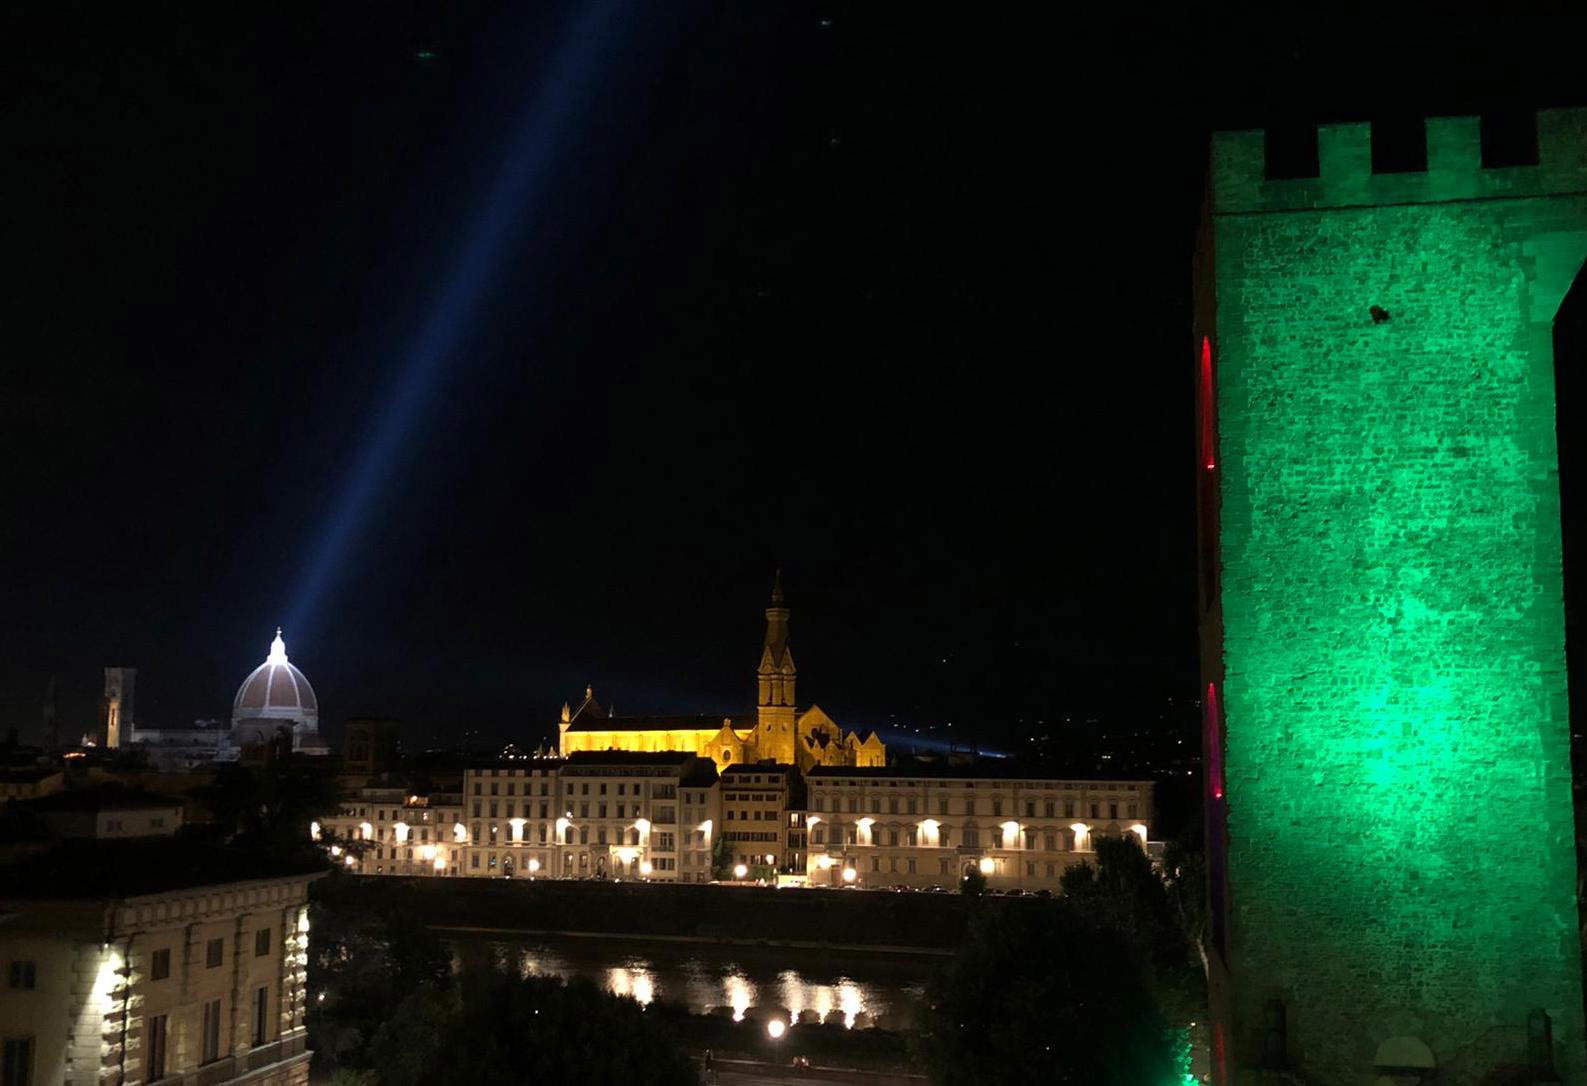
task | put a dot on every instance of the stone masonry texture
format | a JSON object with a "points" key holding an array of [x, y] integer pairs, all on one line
{"points": [[1400, 841]]}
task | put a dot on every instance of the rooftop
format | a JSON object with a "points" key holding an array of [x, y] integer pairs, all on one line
{"points": [[74, 870], [646, 723], [629, 758], [989, 769], [110, 796]]}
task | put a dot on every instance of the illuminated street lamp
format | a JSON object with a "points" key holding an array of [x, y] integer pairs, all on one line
{"points": [[645, 868], [775, 1029], [739, 871], [534, 865], [849, 874]]}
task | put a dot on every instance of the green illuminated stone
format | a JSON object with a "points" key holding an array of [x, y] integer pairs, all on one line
{"points": [[1399, 821]]}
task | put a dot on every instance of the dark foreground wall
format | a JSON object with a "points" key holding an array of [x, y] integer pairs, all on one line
{"points": [[873, 919]]}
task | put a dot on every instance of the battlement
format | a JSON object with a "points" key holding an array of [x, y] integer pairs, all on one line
{"points": [[1345, 178]]}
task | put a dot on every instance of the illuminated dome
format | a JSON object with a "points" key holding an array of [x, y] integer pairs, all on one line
{"points": [[277, 694]]}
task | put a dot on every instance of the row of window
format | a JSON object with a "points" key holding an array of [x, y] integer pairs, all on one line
{"points": [[969, 806], [1030, 840]]}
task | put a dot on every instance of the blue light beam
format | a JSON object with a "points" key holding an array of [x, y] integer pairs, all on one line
{"points": [[500, 220]]}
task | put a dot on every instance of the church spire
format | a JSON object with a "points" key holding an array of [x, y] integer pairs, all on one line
{"points": [[774, 731], [776, 671]]}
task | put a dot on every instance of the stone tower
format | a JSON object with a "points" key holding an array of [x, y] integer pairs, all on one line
{"points": [[774, 727], [116, 719], [1392, 872]]}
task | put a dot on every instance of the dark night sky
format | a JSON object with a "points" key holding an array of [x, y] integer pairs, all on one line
{"points": [[898, 303]]}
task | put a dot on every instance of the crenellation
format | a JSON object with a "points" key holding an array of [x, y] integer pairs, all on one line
{"points": [[1345, 178]]}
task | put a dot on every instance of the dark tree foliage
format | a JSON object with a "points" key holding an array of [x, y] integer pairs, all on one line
{"points": [[363, 962], [269, 808], [1123, 893], [1037, 993], [497, 1029], [973, 884]]}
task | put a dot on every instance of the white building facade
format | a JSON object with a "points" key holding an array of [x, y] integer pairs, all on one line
{"points": [[919, 828]]}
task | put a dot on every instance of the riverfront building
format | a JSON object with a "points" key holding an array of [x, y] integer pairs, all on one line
{"points": [[932, 826], [599, 814]]}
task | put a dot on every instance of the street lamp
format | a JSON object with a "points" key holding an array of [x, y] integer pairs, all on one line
{"points": [[739, 871], [775, 1029], [849, 874]]}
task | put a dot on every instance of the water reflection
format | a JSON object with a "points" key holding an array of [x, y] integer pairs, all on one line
{"points": [[800, 986]]}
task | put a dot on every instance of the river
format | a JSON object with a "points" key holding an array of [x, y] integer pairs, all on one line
{"points": [[856, 989]]}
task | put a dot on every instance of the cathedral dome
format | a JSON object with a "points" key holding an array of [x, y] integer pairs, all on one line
{"points": [[277, 691]]}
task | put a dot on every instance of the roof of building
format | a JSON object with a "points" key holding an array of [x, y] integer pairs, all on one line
{"points": [[629, 757], [275, 689], [985, 769], [74, 870], [108, 796], [647, 723], [28, 776], [745, 768]]}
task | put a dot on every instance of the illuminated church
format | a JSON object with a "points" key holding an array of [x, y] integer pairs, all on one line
{"points": [[779, 730]]}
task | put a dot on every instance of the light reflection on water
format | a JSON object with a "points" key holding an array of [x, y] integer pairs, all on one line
{"points": [[751, 982]]}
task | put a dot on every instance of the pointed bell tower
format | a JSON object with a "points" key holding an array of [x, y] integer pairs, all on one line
{"points": [[774, 732]]}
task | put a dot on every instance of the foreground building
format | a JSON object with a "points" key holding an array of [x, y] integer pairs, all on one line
{"points": [[932, 826], [1383, 626], [132, 956]]}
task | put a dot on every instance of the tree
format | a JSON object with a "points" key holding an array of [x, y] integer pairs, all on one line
{"points": [[1123, 893], [499, 1029], [721, 859], [973, 884], [1038, 994], [367, 954]]}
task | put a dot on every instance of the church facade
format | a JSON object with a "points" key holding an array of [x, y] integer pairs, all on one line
{"points": [[778, 731]]}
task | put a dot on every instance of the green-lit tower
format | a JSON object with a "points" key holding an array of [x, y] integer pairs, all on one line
{"points": [[1391, 840]]}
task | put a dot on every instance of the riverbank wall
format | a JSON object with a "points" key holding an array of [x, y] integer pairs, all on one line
{"points": [[876, 921]]}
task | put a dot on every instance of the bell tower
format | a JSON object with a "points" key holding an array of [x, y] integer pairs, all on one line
{"points": [[774, 731]]}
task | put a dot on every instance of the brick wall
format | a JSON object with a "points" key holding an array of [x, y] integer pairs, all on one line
{"points": [[1400, 837]]}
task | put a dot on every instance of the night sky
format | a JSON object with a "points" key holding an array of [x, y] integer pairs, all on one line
{"points": [[893, 297]]}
